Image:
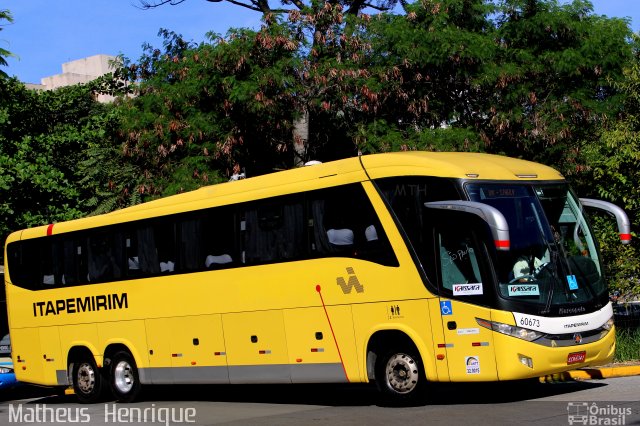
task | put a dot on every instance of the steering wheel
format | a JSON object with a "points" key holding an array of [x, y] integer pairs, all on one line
{"points": [[528, 277]]}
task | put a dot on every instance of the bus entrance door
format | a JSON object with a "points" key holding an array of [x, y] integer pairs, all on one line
{"points": [[464, 289]]}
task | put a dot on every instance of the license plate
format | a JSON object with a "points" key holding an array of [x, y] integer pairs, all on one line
{"points": [[576, 357]]}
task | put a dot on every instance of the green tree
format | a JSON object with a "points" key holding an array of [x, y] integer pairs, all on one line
{"points": [[525, 78], [210, 110], [615, 177], [43, 139], [432, 66], [556, 80], [5, 15]]}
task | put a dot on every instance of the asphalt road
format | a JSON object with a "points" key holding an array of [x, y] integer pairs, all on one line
{"points": [[601, 402]]}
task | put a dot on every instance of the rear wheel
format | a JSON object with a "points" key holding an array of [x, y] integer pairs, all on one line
{"points": [[400, 375], [125, 382], [87, 381]]}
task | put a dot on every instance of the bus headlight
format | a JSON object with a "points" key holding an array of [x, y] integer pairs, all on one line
{"points": [[510, 330]]}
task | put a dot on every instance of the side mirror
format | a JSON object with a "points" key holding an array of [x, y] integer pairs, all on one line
{"points": [[492, 216], [624, 225]]}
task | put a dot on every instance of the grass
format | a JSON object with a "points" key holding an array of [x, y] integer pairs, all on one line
{"points": [[627, 344]]}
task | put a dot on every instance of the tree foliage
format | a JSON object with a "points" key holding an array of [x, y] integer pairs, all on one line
{"points": [[5, 15], [43, 138], [222, 106], [615, 177], [559, 65], [531, 79]]}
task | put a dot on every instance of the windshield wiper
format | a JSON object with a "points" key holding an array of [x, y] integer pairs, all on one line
{"points": [[553, 259]]}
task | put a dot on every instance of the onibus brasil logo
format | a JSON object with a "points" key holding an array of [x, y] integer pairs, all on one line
{"points": [[584, 413]]}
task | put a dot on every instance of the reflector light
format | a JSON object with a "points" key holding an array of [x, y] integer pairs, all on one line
{"points": [[502, 244], [525, 360]]}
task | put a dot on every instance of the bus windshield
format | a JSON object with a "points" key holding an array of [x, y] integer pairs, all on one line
{"points": [[553, 259]]}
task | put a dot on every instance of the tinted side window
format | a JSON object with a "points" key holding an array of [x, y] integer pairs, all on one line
{"points": [[106, 256], [406, 197], [338, 221], [274, 230], [344, 223], [219, 235], [24, 263]]}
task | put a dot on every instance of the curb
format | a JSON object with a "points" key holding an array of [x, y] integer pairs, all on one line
{"points": [[593, 374]]}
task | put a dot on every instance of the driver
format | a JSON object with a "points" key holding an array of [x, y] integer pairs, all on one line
{"points": [[528, 266]]}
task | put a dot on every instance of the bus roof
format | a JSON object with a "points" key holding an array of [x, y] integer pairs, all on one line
{"points": [[443, 164], [462, 165]]}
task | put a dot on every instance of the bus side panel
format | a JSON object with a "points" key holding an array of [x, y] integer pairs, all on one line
{"points": [[198, 353], [55, 370], [27, 357], [471, 352], [159, 345], [437, 312], [313, 354], [408, 316], [342, 322], [256, 347]]}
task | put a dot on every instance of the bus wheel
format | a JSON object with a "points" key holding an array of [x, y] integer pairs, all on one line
{"points": [[87, 381], [125, 382], [399, 375]]}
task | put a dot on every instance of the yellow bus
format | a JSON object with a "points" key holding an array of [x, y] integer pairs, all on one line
{"points": [[398, 268]]}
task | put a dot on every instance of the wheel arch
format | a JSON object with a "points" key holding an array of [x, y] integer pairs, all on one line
{"points": [[396, 337], [122, 345], [77, 351]]}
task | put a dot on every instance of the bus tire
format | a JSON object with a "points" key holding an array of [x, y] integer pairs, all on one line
{"points": [[123, 377], [400, 376], [87, 380]]}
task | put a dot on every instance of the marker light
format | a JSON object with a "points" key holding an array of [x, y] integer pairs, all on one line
{"points": [[608, 325], [510, 330], [525, 360]]}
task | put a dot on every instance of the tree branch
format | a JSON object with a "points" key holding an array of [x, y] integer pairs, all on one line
{"points": [[375, 7], [255, 5], [157, 3]]}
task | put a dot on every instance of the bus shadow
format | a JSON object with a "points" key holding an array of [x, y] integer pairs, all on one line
{"points": [[335, 395]]}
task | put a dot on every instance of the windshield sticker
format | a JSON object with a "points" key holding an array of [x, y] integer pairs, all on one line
{"points": [[473, 364], [573, 282], [524, 290], [472, 289]]}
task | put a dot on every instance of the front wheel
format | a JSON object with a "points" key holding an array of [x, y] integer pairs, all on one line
{"points": [[125, 382], [400, 375]]}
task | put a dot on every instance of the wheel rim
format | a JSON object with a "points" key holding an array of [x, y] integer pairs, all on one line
{"points": [[86, 379], [123, 377], [402, 373]]}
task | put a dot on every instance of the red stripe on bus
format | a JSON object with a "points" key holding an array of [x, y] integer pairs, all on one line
{"points": [[50, 230], [319, 290]]}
